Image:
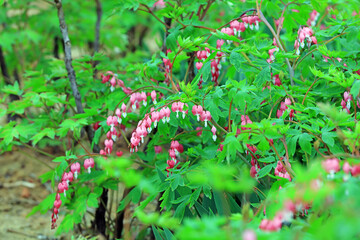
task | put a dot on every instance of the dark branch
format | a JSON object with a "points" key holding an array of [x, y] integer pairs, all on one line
{"points": [[68, 58]]}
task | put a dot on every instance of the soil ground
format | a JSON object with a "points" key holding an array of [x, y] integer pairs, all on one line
{"points": [[20, 191]]}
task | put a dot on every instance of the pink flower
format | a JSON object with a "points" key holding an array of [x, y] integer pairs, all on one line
{"points": [[346, 168], [197, 110], [172, 154], [89, 163], [153, 96], [123, 109], [355, 170], [171, 164], [105, 78], [75, 169], [331, 165], [158, 149], [253, 172], [121, 83], [249, 234], [62, 187], [119, 153], [68, 177], [108, 146], [280, 171], [271, 225], [228, 31], [199, 65], [221, 148], [118, 114], [159, 4], [141, 131], [57, 203], [112, 83], [276, 80], [280, 22], [155, 118], [205, 116], [219, 43], [96, 126], [199, 129], [213, 130], [175, 107]]}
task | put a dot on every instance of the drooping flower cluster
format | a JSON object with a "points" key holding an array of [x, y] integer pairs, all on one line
{"points": [[202, 56], [285, 216], [314, 15], [174, 152], [272, 52], [280, 171], [304, 34], [113, 79], [353, 170], [331, 166], [276, 79], [252, 22], [201, 115], [168, 66], [215, 63], [244, 121], [63, 186], [283, 107], [346, 102], [237, 27], [159, 4]]}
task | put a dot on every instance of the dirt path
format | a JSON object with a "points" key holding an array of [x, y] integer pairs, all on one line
{"points": [[20, 191]]}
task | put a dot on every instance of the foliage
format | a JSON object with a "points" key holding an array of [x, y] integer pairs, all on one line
{"points": [[279, 157]]}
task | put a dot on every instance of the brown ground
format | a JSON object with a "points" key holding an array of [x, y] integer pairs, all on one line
{"points": [[20, 191]]}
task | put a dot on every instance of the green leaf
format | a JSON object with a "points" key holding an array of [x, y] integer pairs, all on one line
{"points": [[328, 138], [305, 142], [355, 89], [47, 132], [236, 59], [44, 206], [263, 76], [156, 233], [92, 200], [66, 224], [270, 159], [264, 171]]}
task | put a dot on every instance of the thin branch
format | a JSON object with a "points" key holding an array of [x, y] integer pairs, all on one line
{"points": [[262, 18], [71, 72], [68, 58], [148, 10], [309, 90], [206, 9]]}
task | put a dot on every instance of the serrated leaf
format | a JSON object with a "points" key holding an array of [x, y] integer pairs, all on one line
{"points": [[328, 138], [305, 142], [263, 76]]}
